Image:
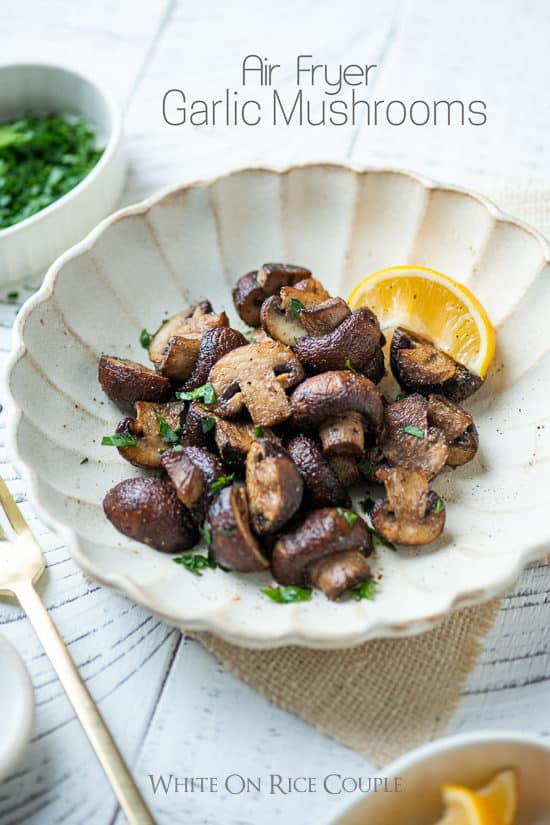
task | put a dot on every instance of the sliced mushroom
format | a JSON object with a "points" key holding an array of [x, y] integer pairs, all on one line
{"points": [[289, 323], [253, 288], [324, 533], [126, 382], [458, 426], [146, 427], [418, 366], [411, 514], [408, 441], [322, 486], [233, 544], [273, 485], [356, 342], [192, 471], [148, 510], [341, 403], [309, 292], [256, 377], [337, 573], [175, 347], [281, 325], [214, 344]]}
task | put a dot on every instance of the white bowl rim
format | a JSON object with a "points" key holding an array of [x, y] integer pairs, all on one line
{"points": [[125, 584], [444, 744], [113, 140], [9, 759]]}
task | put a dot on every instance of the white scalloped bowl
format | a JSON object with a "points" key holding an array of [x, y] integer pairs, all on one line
{"points": [[191, 243]]}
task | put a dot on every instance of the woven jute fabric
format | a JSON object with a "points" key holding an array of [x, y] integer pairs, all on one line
{"points": [[385, 696]]}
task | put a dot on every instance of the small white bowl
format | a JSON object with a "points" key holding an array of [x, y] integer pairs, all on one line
{"points": [[28, 247], [470, 759], [17, 702]]}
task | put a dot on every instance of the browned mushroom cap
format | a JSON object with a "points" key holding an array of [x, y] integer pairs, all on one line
{"points": [[337, 573], [148, 510], [408, 441], [213, 345], [322, 533], [175, 347], [341, 403], [458, 426], [233, 544], [321, 319], [233, 439], [418, 366], [273, 485], [192, 471], [410, 515], [357, 342], [252, 289], [146, 427], [322, 485], [126, 382], [256, 377]]}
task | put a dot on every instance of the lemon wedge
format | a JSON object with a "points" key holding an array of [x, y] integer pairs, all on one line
{"points": [[494, 804], [433, 306]]}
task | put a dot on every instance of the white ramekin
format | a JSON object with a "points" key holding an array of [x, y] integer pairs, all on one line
{"points": [[469, 759], [27, 248]]}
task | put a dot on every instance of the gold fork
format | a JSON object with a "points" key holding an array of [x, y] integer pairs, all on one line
{"points": [[21, 565]]}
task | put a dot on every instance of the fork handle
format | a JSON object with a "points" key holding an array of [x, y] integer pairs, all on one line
{"points": [[110, 758]]}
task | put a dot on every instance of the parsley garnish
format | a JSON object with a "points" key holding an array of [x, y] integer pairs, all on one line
{"points": [[195, 562], [286, 595], [169, 435], [207, 424], [368, 504], [221, 482], [296, 306], [12, 296], [85, 460], [206, 392], [349, 515], [439, 506], [350, 367], [365, 590], [119, 440], [145, 337], [206, 531], [365, 467], [377, 537], [401, 396], [258, 432], [410, 429]]}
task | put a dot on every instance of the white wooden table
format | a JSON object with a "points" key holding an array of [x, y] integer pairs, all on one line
{"points": [[169, 703]]}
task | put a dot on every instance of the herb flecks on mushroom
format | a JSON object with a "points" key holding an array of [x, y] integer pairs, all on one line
{"points": [[418, 366], [253, 288], [407, 439], [411, 515], [156, 427]]}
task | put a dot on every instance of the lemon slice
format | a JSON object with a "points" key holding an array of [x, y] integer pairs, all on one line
{"points": [[494, 804], [433, 306]]}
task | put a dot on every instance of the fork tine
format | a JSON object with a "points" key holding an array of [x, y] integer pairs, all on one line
{"points": [[12, 511]]}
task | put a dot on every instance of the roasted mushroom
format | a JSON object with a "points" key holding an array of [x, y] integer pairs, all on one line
{"points": [[324, 534], [193, 471], [341, 403], [273, 485], [355, 343], [408, 441], [304, 309], [175, 347], [126, 382], [233, 544], [322, 485], [232, 438], [256, 377], [412, 514], [148, 510], [253, 288], [458, 426], [214, 344], [418, 366], [156, 428]]}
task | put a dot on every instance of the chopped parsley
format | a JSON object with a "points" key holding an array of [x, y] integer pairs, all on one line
{"points": [[12, 296], [195, 562], [296, 306], [85, 460], [349, 515], [401, 396], [221, 482], [350, 367], [365, 467], [258, 431], [145, 337], [206, 531], [439, 506], [206, 392], [208, 424], [169, 435], [119, 440], [410, 429], [365, 590], [286, 595]]}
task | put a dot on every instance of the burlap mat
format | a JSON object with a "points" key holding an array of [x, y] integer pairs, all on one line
{"points": [[388, 695]]}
